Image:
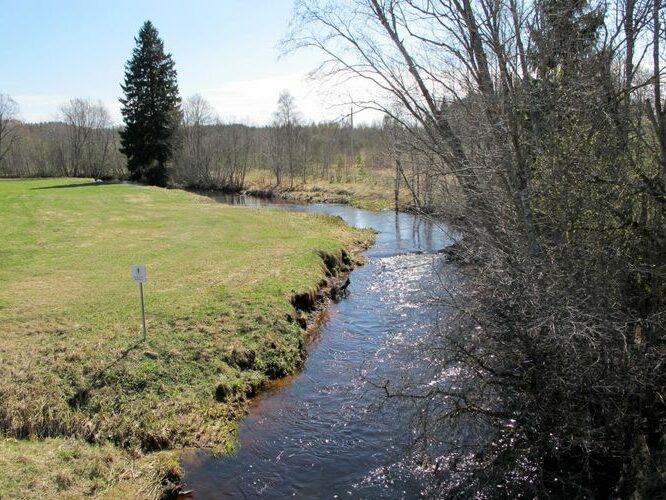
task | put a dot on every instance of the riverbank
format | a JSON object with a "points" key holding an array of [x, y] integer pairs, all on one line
{"points": [[330, 428], [353, 195], [223, 318], [371, 190]]}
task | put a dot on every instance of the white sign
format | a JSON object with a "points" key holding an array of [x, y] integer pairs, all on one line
{"points": [[139, 273]]}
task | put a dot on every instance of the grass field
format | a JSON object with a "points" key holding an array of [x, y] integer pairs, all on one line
{"points": [[218, 308]]}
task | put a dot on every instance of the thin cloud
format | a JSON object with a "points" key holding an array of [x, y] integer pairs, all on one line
{"points": [[256, 100], [246, 101]]}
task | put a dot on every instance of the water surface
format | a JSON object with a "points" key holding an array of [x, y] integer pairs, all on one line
{"points": [[330, 431]]}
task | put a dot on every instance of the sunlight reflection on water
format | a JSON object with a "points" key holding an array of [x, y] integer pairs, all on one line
{"points": [[328, 431]]}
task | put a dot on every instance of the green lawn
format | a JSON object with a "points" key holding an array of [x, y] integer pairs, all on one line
{"points": [[217, 300]]}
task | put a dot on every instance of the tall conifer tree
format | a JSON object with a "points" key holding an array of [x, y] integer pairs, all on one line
{"points": [[151, 108]]}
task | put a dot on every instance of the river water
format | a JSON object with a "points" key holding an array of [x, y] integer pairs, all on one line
{"points": [[329, 431]]}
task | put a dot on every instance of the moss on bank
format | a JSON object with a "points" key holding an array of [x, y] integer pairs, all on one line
{"points": [[218, 300]]}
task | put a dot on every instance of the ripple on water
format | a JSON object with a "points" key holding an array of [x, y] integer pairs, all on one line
{"points": [[330, 430]]}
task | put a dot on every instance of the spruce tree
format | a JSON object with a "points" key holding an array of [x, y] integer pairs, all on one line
{"points": [[151, 108]]}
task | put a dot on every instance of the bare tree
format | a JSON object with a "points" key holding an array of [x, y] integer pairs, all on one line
{"points": [[234, 146], [197, 153], [532, 115], [285, 145], [89, 138], [104, 139], [9, 124], [425, 67]]}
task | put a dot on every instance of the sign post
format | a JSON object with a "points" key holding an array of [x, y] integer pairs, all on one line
{"points": [[139, 276]]}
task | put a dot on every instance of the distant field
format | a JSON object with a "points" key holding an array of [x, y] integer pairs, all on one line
{"points": [[217, 302], [372, 190]]}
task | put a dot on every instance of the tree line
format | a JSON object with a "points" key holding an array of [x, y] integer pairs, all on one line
{"points": [[166, 141], [82, 142]]}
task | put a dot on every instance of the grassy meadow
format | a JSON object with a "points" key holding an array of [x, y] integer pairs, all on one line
{"points": [[219, 319]]}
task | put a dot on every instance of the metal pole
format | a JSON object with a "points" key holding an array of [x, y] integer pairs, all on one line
{"points": [[143, 311]]}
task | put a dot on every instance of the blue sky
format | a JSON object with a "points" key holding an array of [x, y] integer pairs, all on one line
{"points": [[226, 50]]}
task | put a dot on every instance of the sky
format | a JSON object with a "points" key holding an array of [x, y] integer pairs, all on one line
{"points": [[224, 50]]}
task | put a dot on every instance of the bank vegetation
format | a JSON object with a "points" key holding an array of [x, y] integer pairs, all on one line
{"points": [[545, 130]]}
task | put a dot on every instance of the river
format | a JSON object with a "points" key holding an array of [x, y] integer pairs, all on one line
{"points": [[329, 431]]}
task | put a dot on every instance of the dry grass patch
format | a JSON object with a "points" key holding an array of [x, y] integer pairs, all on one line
{"points": [[371, 190], [68, 468]]}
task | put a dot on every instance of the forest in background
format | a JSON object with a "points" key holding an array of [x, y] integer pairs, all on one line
{"points": [[210, 154]]}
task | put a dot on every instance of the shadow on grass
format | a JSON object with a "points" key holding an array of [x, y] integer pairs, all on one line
{"points": [[123, 354], [83, 184], [80, 398]]}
